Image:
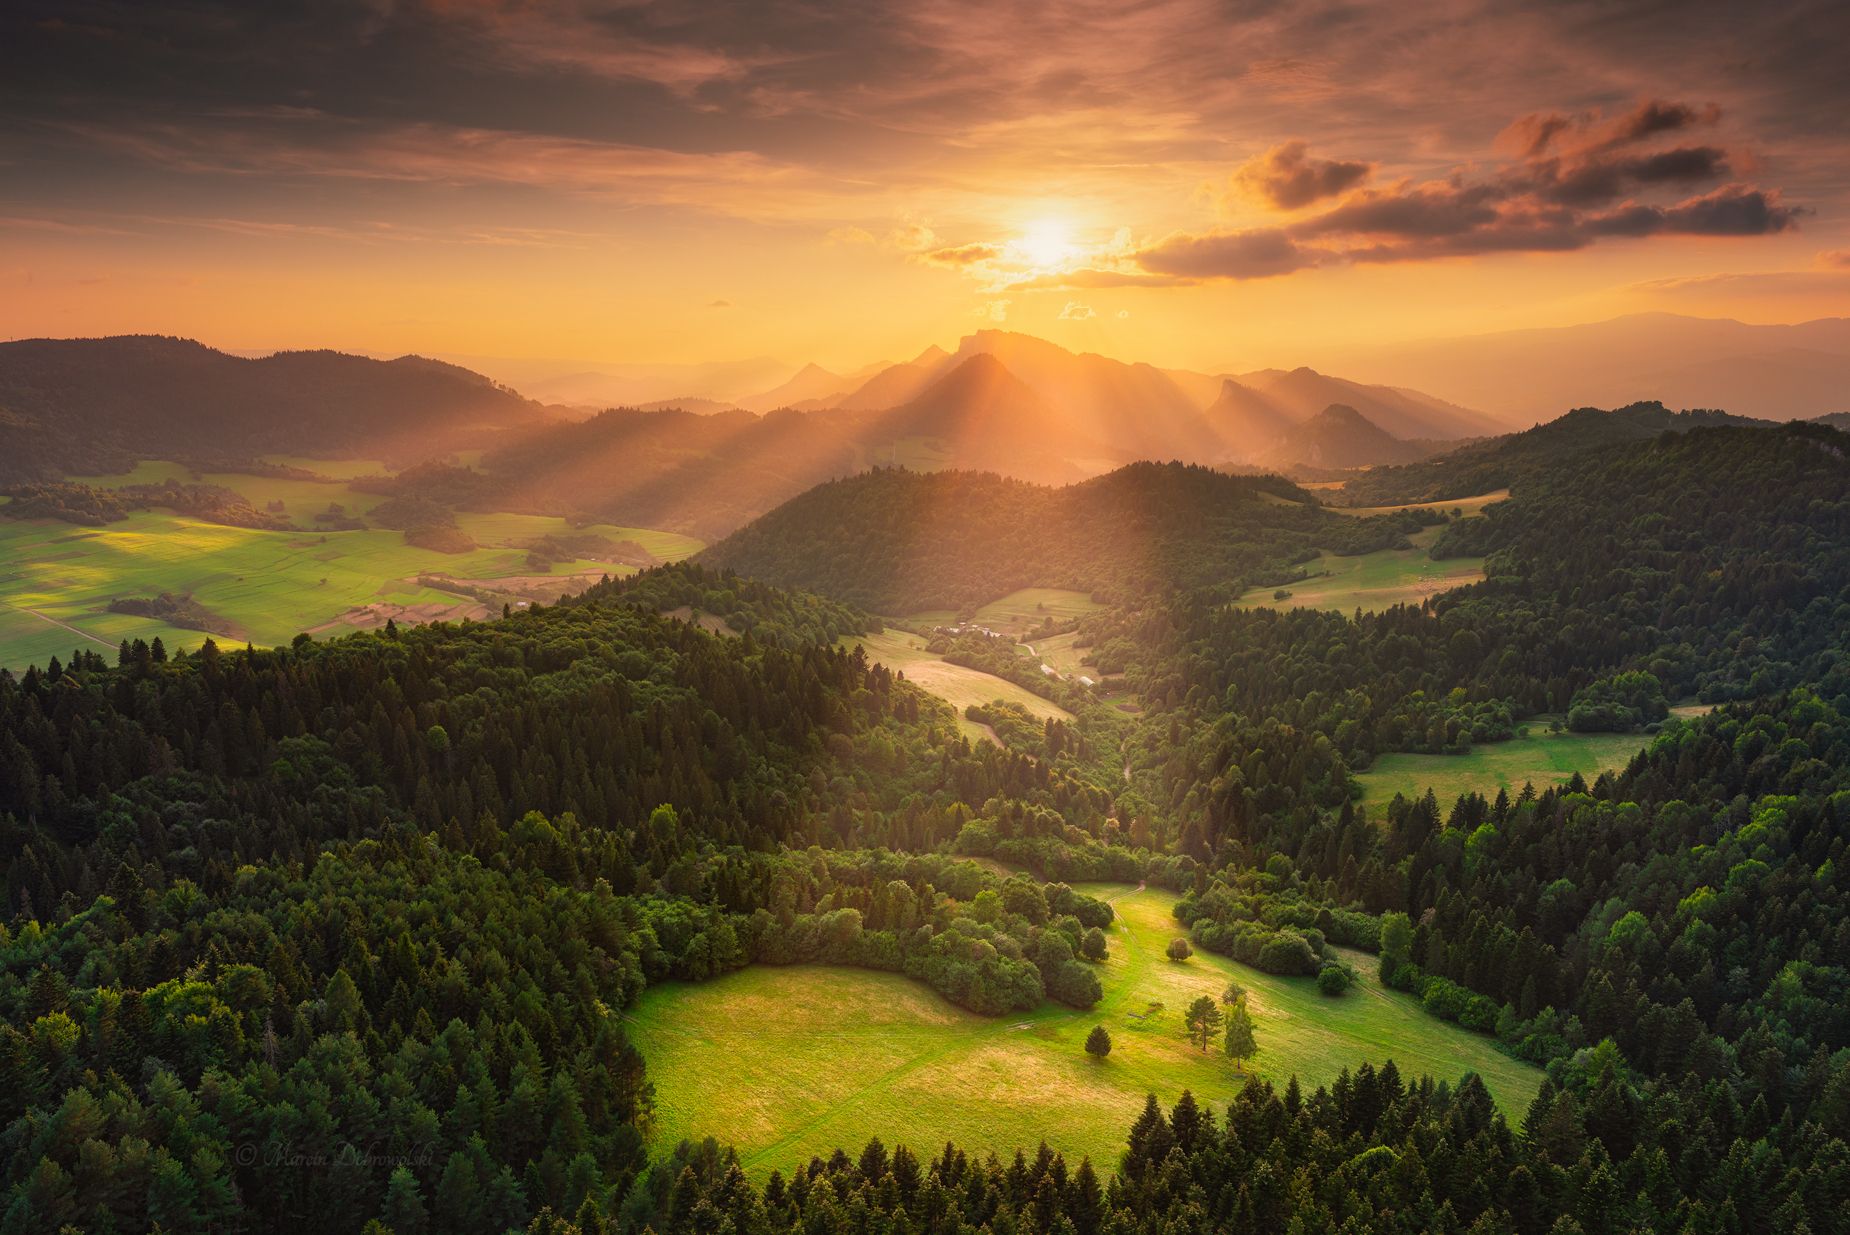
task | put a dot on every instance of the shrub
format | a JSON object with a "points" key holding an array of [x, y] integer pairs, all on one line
{"points": [[1179, 950]]}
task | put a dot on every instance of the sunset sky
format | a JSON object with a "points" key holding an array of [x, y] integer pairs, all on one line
{"points": [[1191, 182]]}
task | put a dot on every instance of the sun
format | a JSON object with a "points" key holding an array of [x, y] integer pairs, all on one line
{"points": [[1046, 244]]}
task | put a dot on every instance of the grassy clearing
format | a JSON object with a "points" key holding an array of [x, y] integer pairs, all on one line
{"points": [[788, 1063], [1535, 757], [1022, 611], [1375, 581], [956, 685], [1465, 506], [269, 585]]}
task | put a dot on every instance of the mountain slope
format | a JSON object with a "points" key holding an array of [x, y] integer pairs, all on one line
{"points": [[810, 383], [1503, 462], [79, 403], [1301, 393], [1339, 438], [895, 541]]}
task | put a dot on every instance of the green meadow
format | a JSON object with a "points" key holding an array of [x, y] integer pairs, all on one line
{"points": [[1374, 581], [785, 1063], [57, 579], [1534, 756], [960, 687]]}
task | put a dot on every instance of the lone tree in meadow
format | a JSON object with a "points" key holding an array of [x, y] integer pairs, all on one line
{"points": [[1235, 993], [1203, 1021], [1180, 951], [1240, 1043], [1098, 1042]]}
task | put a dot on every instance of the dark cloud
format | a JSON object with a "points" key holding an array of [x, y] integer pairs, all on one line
{"points": [[1574, 181], [1259, 254], [1287, 178]]}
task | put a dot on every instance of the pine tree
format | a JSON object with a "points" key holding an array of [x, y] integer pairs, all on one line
{"points": [[1240, 1041], [1098, 1042]]}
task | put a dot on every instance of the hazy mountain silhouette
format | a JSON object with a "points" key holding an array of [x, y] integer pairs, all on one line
{"points": [[80, 402], [1777, 372]]}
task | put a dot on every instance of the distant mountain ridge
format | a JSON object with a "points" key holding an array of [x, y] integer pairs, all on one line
{"points": [[80, 403], [1777, 372]]}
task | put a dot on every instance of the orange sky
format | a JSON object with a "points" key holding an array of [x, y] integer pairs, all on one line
{"points": [[1193, 182]]}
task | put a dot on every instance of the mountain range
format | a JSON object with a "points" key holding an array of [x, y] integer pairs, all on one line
{"points": [[1776, 372]]}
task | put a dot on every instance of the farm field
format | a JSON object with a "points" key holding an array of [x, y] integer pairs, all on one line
{"points": [[268, 585], [956, 685], [1536, 757], [1023, 611], [1374, 581], [786, 1063]]}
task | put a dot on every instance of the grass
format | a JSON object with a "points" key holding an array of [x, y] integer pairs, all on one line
{"points": [[960, 687], [1023, 611], [790, 1063], [1374, 581], [1466, 506], [269, 585], [1533, 757]]}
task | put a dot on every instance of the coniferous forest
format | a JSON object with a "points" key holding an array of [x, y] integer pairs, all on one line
{"points": [[340, 935]]}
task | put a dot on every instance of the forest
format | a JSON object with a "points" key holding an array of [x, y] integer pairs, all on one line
{"points": [[340, 935]]}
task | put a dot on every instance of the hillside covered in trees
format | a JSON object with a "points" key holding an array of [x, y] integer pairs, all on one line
{"points": [[895, 541], [382, 900]]}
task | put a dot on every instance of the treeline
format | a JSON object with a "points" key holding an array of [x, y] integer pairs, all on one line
{"points": [[1373, 1153]]}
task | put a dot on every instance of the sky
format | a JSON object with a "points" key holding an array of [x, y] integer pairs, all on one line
{"points": [[1198, 183]]}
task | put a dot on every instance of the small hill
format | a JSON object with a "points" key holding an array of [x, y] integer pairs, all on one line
{"points": [[1503, 462], [1246, 422], [1405, 414], [892, 386], [894, 541], [79, 404], [810, 384], [1339, 438]]}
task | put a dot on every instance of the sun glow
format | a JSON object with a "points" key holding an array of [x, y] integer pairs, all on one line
{"points": [[1047, 244]]}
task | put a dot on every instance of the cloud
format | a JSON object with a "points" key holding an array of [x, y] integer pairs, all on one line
{"points": [[963, 255], [1572, 182], [1076, 312], [994, 310], [1124, 315], [1838, 259], [1259, 254], [849, 235], [719, 304], [1538, 135], [1287, 178]]}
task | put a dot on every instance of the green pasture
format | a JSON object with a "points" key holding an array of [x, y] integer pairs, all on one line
{"points": [[786, 1063]]}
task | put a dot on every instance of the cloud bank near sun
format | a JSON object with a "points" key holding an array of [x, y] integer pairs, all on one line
{"points": [[817, 159]]}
